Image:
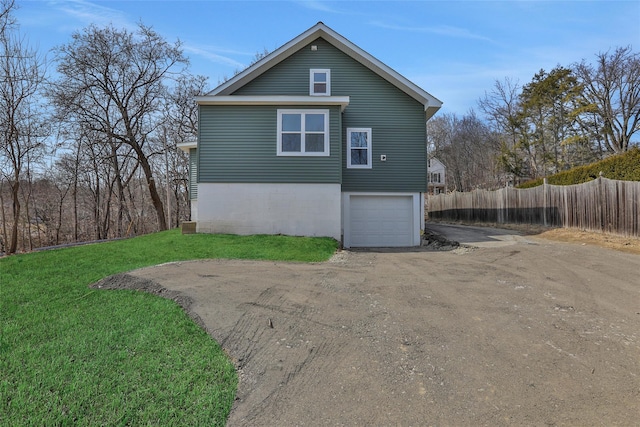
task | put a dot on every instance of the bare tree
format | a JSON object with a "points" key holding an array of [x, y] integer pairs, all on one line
{"points": [[543, 127], [612, 86], [113, 83], [66, 173], [468, 149], [22, 73], [181, 110], [502, 108], [181, 126]]}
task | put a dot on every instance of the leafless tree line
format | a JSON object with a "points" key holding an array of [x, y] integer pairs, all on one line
{"points": [[561, 119], [90, 153]]}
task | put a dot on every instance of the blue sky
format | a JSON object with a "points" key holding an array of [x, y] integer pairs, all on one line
{"points": [[455, 50]]}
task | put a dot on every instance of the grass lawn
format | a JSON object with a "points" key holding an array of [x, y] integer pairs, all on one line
{"points": [[70, 355]]}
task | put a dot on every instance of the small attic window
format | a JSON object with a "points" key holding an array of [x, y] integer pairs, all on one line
{"points": [[320, 82]]}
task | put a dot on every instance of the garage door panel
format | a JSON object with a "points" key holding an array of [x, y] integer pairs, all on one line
{"points": [[381, 221]]}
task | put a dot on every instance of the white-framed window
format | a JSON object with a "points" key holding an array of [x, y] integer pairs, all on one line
{"points": [[303, 132], [359, 148], [320, 82]]}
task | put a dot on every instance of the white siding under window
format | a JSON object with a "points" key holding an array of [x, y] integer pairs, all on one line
{"points": [[291, 209]]}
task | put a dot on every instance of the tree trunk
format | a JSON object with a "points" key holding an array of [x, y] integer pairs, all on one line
{"points": [[13, 240], [27, 212], [96, 200], [75, 207], [153, 190], [3, 217], [118, 179]]}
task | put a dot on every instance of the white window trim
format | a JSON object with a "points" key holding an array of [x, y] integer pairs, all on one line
{"points": [[326, 151], [312, 74], [369, 148]]}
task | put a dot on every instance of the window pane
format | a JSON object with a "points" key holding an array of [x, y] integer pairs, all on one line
{"points": [[319, 77], [314, 143], [314, 123], [359, 157], [291, 122], [359, 139], [291, 142], [319, 88]]}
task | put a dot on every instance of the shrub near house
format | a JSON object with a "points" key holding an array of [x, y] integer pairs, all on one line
{"points": [[623, 167]]}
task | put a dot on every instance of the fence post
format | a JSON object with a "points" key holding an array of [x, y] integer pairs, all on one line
{"points": [[505, 202], [544, 202], [601, 201]]}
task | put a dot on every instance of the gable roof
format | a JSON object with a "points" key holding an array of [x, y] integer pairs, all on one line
{"points": [[431, 103]]}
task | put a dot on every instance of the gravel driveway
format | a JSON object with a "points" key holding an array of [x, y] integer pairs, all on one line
{"points": [[530, 332]]}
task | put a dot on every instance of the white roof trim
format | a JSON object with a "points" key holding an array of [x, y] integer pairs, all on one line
{"points": [[186, 146], [431, 103], [342, 101]]}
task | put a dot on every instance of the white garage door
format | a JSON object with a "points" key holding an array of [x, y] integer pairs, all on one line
{"points": [[380, 221]]}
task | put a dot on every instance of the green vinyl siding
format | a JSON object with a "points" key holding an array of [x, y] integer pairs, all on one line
{"points": [[291, 76], [396, 119], [397, 130], [239, 144], [193, 173]]}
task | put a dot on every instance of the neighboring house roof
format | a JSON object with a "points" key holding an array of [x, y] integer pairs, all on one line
{"points": [[437, 162], [431, 103]]}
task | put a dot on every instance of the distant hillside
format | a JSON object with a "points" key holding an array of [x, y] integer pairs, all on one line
{"points": [[624, 167]]}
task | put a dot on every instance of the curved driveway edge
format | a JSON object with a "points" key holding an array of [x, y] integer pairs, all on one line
{"points": [[530, 333], [479, 237]]}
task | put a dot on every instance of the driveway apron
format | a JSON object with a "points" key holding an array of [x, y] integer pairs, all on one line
{"points": [[529, 333]]}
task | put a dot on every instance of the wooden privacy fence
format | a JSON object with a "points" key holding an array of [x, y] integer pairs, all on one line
{"points": [[602, 205]]}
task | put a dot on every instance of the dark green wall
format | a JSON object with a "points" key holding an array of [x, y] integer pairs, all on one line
{"points": [[396, 119], [239, 144]]}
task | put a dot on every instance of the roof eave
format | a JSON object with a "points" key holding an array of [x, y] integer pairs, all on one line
{"points": [[321, 30], [318, 101], [430, 111], [186, 146]]}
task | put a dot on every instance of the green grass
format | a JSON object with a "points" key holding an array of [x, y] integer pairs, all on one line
{"points": [[70, 355]]}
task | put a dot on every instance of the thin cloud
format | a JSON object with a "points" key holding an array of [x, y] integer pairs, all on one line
{"points": [[442, 30], [317, 5], [87, 13], [214, 56]]}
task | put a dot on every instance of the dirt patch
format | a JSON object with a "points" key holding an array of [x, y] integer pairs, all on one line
{"points": [[619, 243], [436, 242], [535, 333]]}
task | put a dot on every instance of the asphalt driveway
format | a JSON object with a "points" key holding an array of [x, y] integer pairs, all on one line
{"points": [[479, 237], [527, 332]]}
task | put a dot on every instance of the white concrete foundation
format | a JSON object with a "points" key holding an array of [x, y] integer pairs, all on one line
{"points": [[291, 209], [194, 209]]}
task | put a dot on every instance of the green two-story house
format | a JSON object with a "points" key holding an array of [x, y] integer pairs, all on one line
{"points": [[318, 138]]}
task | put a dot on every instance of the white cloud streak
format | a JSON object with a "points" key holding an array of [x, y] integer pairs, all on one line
{"points": [[85, 13], [317, 5], [442, 30], [214, 55]]}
